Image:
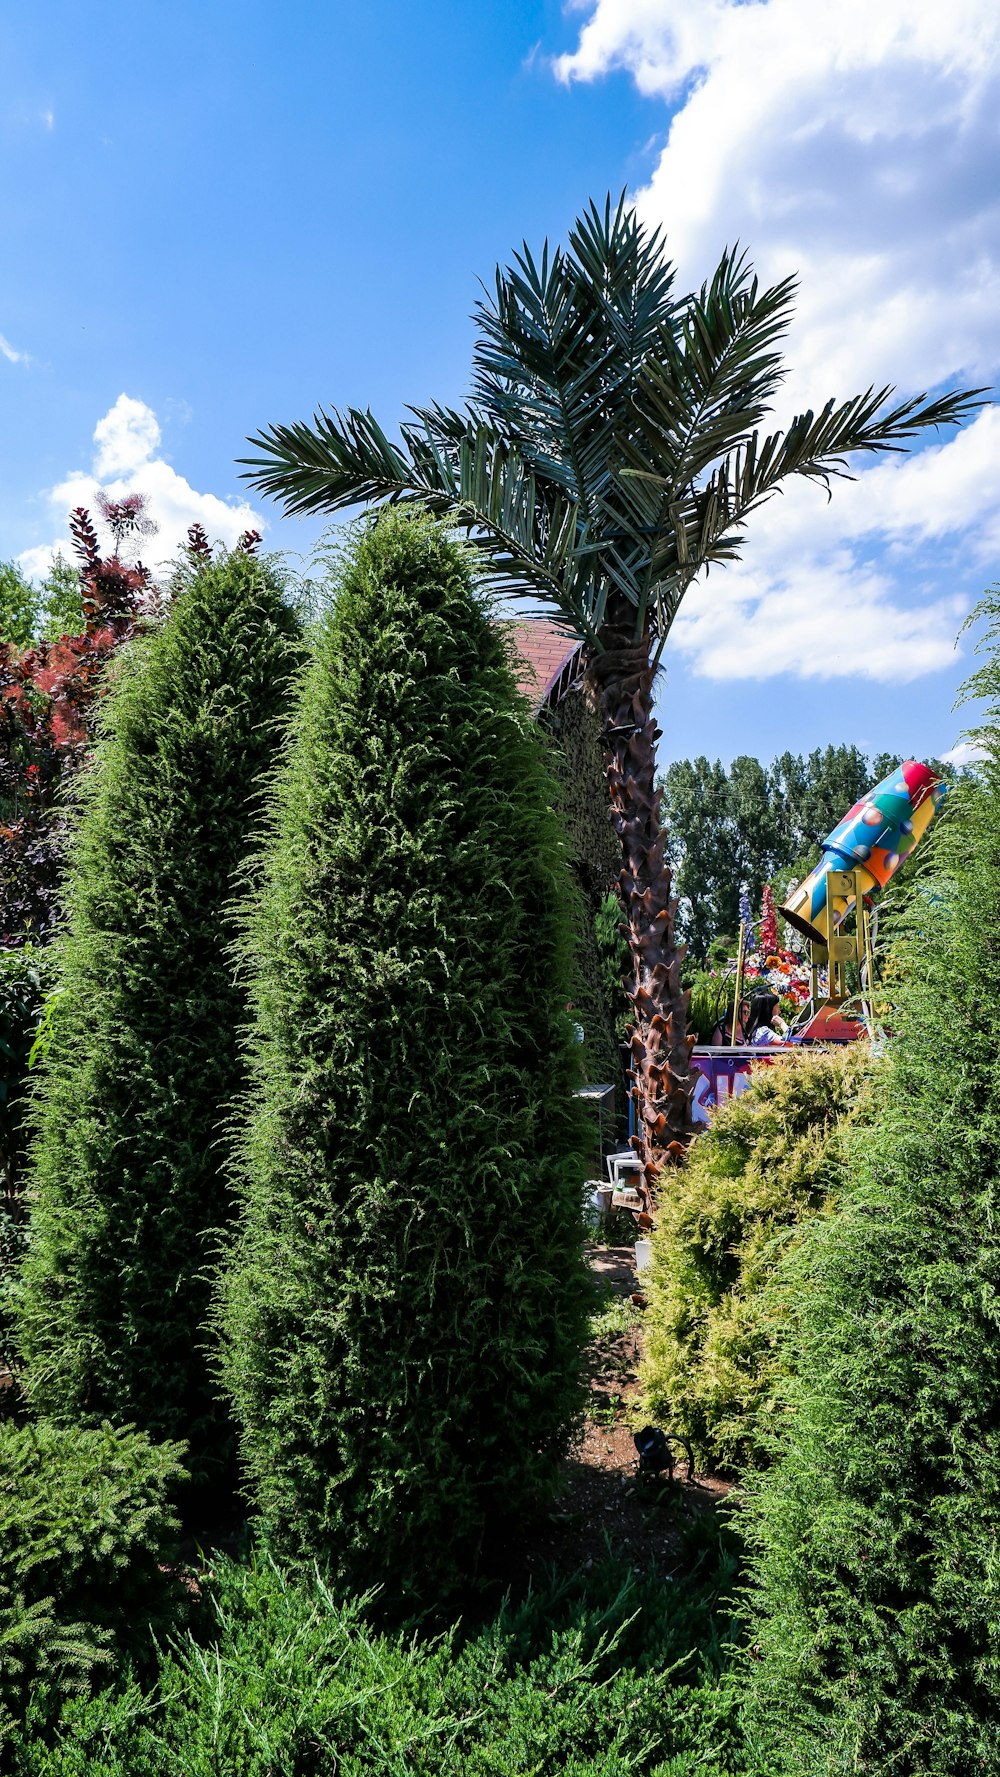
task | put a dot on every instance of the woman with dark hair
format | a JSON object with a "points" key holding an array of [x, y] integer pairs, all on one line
{"points": [[763, 1025], [723, 1034]]}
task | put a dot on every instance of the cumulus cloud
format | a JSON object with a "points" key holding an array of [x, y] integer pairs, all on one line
{"points": [[856, 146], [966, 752], [127, 460], [126, 438]]}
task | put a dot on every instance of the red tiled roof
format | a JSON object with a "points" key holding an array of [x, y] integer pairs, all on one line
{"points": [[545, 651]]}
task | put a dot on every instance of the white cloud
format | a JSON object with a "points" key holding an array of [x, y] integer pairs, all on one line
{"points": [[833, 619], [853, 586], [966, 752], [944, 492], [11, 354], [857, 146], [126, 460], [48, 118], [125, 438], [35, 563]]}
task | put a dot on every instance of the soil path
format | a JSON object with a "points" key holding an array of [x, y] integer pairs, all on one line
{"points": [[604, 1508]]}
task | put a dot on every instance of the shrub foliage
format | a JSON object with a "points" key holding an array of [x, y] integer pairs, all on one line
{"points": [[878, 1616], [50, 694], [128, 1182], [87, 1521], [575, 735], [24, 973], [770, 1159], [591, 1678], [405, 1311]]}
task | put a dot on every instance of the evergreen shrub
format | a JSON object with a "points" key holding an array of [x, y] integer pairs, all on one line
{"points": [[24, 972], [589, 1677], [574, 731], [769, 1160], [404, 1314], [23, 978], [128, 1183], [87, 1523], [877, 1532]]}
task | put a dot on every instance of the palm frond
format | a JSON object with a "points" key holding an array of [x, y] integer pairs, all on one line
{"points": [[706, 388], [529, 531], [630, 281], [615, 445], [706, 525], [538, 379]]}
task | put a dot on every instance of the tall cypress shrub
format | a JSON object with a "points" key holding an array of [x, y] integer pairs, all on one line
{"points": [[404, 1311], [877, 1534], [128, 1182]]}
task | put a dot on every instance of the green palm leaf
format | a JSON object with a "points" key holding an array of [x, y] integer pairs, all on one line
{"points": [[614, 446]]}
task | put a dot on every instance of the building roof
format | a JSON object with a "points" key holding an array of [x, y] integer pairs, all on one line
{"points": [[549, 660]]}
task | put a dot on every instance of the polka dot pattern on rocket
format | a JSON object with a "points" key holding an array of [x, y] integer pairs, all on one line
{"points": [[874, 838]]}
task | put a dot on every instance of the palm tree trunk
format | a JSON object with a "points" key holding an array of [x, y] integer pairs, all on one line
{"points": [[621, 679]]}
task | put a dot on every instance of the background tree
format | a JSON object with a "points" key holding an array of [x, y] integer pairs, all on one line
{"points": [[816, 792], [61, 600], [696, 809], [403, 1314], [127, 1181], [612, 451], [756, 824], [46, 612], [19, 606]]}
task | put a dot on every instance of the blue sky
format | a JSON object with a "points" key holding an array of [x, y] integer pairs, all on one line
{"points": [[220, 215]]}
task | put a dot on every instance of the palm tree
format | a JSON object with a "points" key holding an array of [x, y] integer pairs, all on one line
{"points": [[610, 452]]}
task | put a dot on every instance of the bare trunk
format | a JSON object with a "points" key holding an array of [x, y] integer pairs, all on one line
{"points": [[622, 680]]}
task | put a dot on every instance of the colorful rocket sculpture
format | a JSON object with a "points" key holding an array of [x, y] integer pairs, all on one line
{"points": [[880, 831]]}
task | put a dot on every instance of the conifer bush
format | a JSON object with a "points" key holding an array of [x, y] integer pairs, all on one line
{"points": [[590, 1677], [769, 1160], [87, 1523], [877, 1631], [127, 1178], [404, 1312], [24, 975]]}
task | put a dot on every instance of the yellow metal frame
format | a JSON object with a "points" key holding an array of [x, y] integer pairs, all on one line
{"points": [[843, 947]]}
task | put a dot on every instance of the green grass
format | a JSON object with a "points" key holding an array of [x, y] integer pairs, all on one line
{"points": [[615, 1317]]}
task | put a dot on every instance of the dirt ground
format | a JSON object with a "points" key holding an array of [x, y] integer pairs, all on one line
{"points": [[605, 1508]]}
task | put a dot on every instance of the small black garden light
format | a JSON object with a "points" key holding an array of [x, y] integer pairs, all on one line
{"points": [[656, 1455]]}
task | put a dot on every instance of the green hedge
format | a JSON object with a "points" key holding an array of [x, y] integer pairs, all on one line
{"points": [[769, 1160], [25, 972], [87, 1522], [876, 1534], [404, 1314], [128, 1185], [24, 979], [589, 1678]]}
